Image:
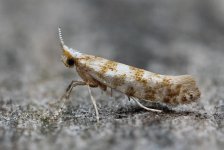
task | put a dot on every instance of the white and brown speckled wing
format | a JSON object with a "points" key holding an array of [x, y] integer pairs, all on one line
{"points": [[135, 82]]}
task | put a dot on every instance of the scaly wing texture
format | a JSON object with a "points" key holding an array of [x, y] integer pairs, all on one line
{"points": [[140, 83]]}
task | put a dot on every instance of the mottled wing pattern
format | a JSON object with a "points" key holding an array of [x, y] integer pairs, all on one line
{"points": [[135, 82]]}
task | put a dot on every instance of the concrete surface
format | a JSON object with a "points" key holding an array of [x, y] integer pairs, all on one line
{"points": [[168, 37]]}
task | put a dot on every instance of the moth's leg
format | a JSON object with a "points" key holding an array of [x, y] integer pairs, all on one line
{"points": [[94, 104], [102, 87], [129, 98], [111, 92], [70, 87], [144, 107]]}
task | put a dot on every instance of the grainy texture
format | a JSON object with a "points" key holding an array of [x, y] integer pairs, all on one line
{"points": [[167, 37]]}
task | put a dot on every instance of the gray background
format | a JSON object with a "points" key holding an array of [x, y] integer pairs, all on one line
{"points": [[164, 36]]}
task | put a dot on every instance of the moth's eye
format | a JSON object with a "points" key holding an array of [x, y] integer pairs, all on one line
{"points": [[70, 62]]}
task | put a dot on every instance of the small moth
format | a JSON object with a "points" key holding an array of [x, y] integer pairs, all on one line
{"points": [[136, 83]]}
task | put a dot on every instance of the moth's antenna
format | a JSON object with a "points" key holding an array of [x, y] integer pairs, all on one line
{"points": [[60, 37]]}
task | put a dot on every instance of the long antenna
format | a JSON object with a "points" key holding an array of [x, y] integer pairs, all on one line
{"points": [[60, 37]]}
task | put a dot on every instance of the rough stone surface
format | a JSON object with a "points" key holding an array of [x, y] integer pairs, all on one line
{"points": [[168, 37]]}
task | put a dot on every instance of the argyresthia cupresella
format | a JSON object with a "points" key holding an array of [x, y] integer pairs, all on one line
{"points": [[134, 82]]}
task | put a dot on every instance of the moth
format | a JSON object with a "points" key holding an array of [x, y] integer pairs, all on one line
{"points": [[136, 83]]}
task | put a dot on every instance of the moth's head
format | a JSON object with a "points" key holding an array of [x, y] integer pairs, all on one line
{"points": [[67, 56]]}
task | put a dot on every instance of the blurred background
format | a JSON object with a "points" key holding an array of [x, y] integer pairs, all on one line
{"points": [[167, 37]]}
